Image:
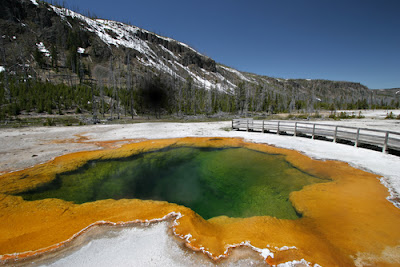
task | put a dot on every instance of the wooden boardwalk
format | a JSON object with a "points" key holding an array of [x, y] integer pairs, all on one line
{"points": [[368, 138]]}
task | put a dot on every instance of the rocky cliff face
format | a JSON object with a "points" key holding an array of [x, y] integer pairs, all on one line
{"points": [[90, 48]]}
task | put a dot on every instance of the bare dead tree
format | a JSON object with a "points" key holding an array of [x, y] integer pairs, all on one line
{"points": [[194, 99], [112, 83], [313, 98], [6, 87], [117, 89], [179, 99], [101, 87], [209, 101], [129, 86], [94, 106], [246, 103], [80, 70]]}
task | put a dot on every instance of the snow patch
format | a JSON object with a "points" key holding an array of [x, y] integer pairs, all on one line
{"points": [[225, 85], [238, 73], [42, 49], [169, 52], [2, 69], [159, 65], [81, 50], [200, 81], [34, 2]]}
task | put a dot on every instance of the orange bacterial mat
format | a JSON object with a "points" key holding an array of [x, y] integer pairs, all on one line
{"points": [[345, 222]]}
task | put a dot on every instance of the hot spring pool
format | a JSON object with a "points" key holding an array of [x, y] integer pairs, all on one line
{"points": [[255, 186], [235, 182]]}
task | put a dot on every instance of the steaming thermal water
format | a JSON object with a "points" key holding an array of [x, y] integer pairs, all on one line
{"points": [[235, 182]]}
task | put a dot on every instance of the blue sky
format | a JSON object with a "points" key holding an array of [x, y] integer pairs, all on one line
{"points": [[347, 40]]}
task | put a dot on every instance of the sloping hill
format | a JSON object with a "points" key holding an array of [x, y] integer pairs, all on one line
{"points": [[129, 65]]}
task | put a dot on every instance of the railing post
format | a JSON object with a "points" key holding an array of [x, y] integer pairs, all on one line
{"points": [[262, 126], [247, 124], [295, 128], [335, 135], [385, 144], [232, 124], [313, 131], [277, 131], [357, 137]]}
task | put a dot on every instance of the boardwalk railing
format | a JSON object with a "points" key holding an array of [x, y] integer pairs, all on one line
{"points": [[358, 136]]}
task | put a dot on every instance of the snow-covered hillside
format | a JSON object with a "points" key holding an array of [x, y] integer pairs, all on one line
{"points": [[98, 49], [118, 34]]}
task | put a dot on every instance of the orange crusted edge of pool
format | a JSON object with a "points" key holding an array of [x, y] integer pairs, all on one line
{"points": [[345, 222]]}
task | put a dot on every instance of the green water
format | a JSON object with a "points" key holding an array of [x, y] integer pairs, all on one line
{"points": [[236, 182]]}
